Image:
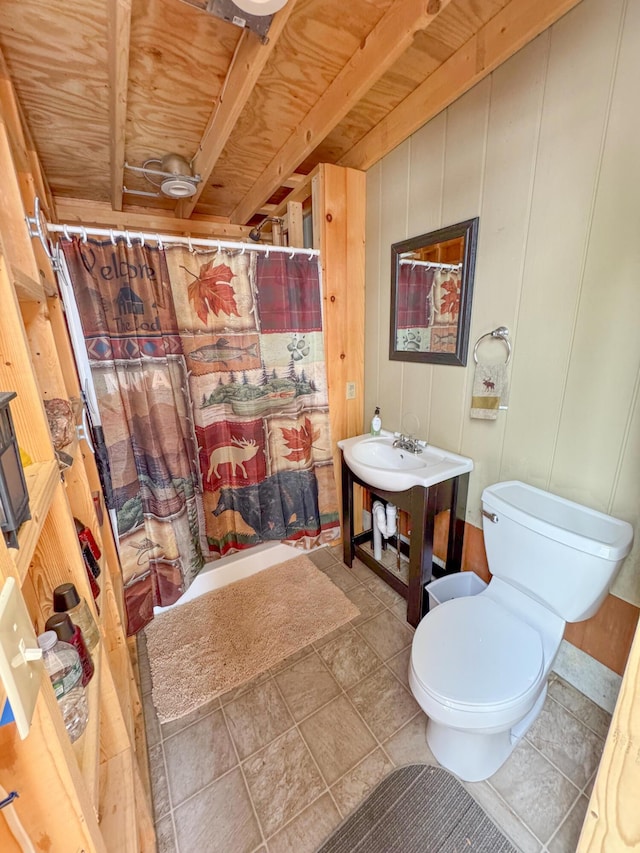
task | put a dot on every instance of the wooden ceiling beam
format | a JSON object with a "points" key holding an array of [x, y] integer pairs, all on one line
{"points": [[514, 26], [386, 42], [78, 211], [246, 67], [119, 38]]}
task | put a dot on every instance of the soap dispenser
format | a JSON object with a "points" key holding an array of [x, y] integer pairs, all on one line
{"points": [[376, 422]]}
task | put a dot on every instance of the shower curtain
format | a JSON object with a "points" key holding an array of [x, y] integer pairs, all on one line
{"points": [[428, 307], [210, 378]]}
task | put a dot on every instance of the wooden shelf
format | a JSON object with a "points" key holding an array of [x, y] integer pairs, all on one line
{"points": [[87, 747], [27, 289], [42, 479]]}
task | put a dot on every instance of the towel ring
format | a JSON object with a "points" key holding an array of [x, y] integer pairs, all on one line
{"points": [[502, 333]]}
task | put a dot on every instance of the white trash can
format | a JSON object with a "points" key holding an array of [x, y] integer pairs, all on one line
{"points": [[454, 586]]}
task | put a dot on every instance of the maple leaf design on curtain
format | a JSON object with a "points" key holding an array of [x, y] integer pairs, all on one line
{"points": [[300, 441], [450, 303], [211, 291]]}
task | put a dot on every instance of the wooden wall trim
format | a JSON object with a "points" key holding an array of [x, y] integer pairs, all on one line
{"points": [[339, 231]]}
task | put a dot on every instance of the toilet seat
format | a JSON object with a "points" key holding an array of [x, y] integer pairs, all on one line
{"points": [[471, 654]]}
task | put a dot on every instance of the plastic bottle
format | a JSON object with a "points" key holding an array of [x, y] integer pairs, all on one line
{"points": [[67, 632], [62, 662], [376, 422], [67, 600]]}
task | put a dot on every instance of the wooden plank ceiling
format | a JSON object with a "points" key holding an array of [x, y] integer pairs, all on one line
{"points": [[102, 82]]}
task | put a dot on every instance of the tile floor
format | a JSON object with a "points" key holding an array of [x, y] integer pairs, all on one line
{"points": [[276, 764]]}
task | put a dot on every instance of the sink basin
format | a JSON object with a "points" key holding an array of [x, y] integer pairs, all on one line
{"points": [[379, 464]]}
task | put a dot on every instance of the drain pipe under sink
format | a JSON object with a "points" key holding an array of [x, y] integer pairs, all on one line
{"points": [[384, 524]]}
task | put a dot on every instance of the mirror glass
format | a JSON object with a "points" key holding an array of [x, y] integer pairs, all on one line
{"points": [[431, 287]]}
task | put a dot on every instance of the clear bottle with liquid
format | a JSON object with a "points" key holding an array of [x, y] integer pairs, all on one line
{"points": [[62, 662]]}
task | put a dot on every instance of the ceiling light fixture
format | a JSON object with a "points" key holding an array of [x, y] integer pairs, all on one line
{"points": [[260, 7], [175, 173]]}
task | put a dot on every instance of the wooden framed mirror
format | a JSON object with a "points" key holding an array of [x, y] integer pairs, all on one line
{"points": [[431, 289]]}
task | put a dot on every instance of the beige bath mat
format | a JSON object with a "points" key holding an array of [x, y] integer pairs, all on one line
{"points": [[228, 636]]}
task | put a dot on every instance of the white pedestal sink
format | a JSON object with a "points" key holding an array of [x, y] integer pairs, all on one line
{"points": [[378, 463]]}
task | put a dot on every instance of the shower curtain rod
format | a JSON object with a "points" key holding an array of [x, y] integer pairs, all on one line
{"points": [[430, 264], [161, 239]]}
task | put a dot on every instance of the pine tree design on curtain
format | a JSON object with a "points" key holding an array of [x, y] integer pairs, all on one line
{"points": [[210, 377], [251, 330]]}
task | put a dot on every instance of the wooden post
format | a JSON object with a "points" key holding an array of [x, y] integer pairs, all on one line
{"points": [[339, 233]]}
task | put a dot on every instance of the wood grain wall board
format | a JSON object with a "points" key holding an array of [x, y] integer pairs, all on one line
{"points": [[178, 62], [57, 57]]}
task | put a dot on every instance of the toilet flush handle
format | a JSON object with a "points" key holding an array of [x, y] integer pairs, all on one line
{"points": [[491, 516]]}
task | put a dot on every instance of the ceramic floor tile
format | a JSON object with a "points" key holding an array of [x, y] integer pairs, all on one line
{"points": [[566, 838], [399, 610], [243, 688], [400, 665], [341, 576], [385, 634], [144, 669], [409, 744], [503, 817], [219, 819], [151, 724], [257, 717], [306, 686], [283, 780], [159, 786], [337, 632], [337, 738], [174, 726], [322, 557], [566, 742], [351, 790], [308, 830], [362, 572], [165, 836], [538, 793], [387, 595], [365, 601], [293, 658], [198, 755], [383, 703], [349, 658], [592, 715]]}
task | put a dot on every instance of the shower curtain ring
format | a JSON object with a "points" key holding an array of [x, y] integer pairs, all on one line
{"points": [[311, 255], [113, 238], [244, 249], [159, 242], [83, 231], [219, 246], [65, 231], [266, 253], [292, 255], [190, 244], [128, 239], [141, 238]]}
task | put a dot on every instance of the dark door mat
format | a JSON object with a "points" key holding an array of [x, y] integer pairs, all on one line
{"points": [[418, 809]]}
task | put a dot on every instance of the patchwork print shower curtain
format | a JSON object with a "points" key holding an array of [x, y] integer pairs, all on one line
{"points": [[209, 372]]}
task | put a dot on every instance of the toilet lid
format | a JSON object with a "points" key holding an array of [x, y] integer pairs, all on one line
{"points": [[472, 652]]}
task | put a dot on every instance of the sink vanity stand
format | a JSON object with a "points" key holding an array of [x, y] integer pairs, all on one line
{"points": [[422, 503]]}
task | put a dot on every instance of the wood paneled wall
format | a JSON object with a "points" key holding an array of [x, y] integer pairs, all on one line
{"points": [[545, 152]]}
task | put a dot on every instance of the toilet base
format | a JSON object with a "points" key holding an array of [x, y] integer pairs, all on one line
{"points": [[475, 756]]}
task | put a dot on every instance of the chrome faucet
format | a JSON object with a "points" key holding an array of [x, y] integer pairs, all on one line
{"points": [[406, 442]]}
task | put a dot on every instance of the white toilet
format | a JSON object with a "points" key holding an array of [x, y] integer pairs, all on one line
{"points": [[479, 664]]}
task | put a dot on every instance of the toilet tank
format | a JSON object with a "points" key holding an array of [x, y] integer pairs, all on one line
{"points": [[561, 553]]}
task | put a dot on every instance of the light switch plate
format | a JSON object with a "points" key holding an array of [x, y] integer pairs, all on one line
{"points": [[351, 391], [20, 656]]}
